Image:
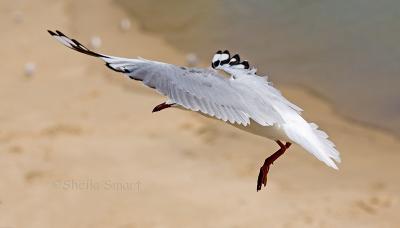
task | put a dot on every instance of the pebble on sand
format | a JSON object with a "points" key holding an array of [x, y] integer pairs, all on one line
{"points": [[125, 24], [18, 17], [192, 59], [95, 42], [30, 69]]}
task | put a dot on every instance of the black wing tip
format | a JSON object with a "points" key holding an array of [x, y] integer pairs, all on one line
{"points": [[60, 33], [232, 60], [120, 70], [56, 33], [236, 56], [114, 69], [245, 63], [75, 45], [51, 32], [225, 61], [220, 62]]}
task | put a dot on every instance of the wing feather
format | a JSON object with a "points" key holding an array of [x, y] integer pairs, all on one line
{"points": [[203, 90]]}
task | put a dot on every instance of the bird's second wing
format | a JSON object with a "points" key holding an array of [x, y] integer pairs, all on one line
{"points": [[201, 90]]}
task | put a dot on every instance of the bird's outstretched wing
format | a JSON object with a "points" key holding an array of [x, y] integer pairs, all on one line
{"points": [[195, 89]]}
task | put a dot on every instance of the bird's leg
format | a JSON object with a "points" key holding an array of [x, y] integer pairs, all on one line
{"points": [[262, 176], [161, 107]]}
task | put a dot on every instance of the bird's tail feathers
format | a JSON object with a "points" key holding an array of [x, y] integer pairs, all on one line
{"points": [[316, 142]]}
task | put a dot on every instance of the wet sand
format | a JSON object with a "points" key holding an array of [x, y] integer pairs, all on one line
{"points": [[79, 146]]}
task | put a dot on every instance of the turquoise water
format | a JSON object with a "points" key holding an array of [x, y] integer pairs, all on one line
{"points": [[346, 50]]}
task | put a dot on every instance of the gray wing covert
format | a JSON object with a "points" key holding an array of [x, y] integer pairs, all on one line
{"points": [[195, 89]]}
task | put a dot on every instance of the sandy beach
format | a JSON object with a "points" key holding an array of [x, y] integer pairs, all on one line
{"points": [[79, 146]]}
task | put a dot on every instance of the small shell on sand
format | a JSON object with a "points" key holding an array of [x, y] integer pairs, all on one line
{"points": [[125, 24], [192, 59], [95, 42], [18, 17], [30, 69]]}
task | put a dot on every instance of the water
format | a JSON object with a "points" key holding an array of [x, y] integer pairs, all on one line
{"points": [[346, 50]]}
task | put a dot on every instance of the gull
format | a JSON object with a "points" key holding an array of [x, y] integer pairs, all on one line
{"points": [[230, 91]]}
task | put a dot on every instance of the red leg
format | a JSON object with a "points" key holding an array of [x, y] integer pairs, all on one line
{"points": [[262, 176], [161, 107]]}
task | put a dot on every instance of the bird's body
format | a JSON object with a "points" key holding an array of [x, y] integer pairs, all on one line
{"points": [[274, 132], [245, 100]]}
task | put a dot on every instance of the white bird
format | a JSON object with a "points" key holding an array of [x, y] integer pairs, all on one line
{"points": [[245, 100]]}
